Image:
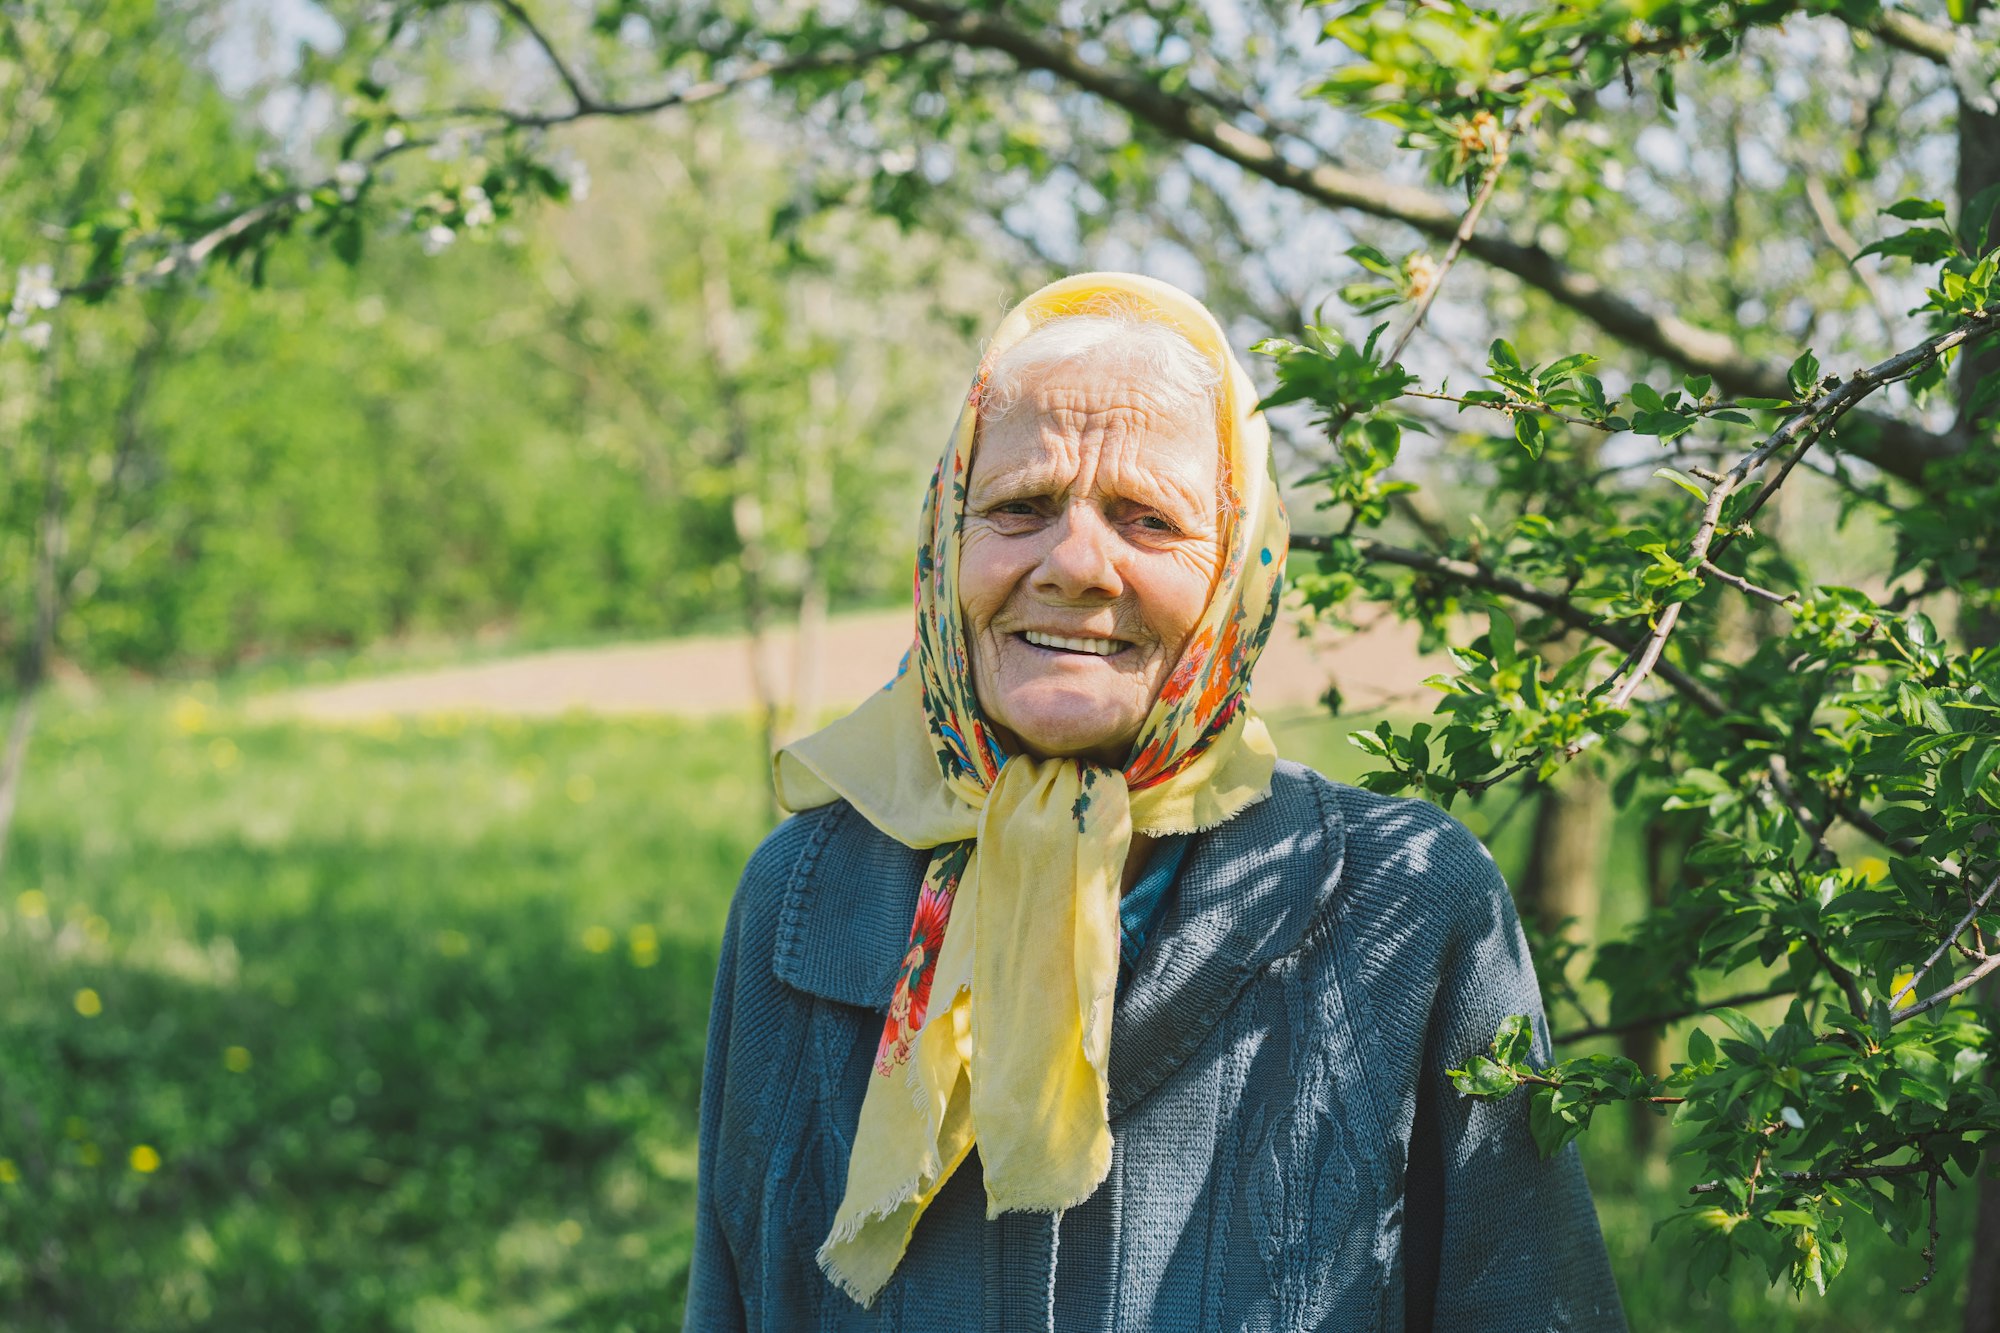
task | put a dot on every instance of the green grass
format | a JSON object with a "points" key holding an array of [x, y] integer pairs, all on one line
{"points": [[411, 1019]]}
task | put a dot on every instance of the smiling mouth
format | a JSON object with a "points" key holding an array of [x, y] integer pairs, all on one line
{"points": [[1089, 647]]}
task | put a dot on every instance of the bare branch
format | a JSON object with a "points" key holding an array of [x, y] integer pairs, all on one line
{"points": [[1822, 1177], [1929, 1254], [1742, 584], [1907, 32], [1959, 987], [577, 91], [704, 91], [1971, 915], [1468, 224], [1671, 1016]]}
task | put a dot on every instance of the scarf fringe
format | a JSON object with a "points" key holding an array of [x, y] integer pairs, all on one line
{"points": [[845, 1231], [993, 1209]]}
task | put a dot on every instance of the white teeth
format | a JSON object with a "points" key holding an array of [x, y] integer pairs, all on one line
{"points": [[1101, 647]]}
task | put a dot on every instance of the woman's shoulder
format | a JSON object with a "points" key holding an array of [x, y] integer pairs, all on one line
{"points": [[1397, 855], [825, 903]]}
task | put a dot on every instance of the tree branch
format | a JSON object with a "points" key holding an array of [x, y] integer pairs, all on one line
{"points": [[1556, 605], [703, 91], [1491, 580], [1741, 584], [1959, 987], [1899, 448], [1907, 32], [1671, 1016], [1821, 1177], [1971, 915], [580, 94], [1800, 431]]}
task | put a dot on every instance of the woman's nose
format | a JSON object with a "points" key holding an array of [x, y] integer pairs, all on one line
{"points": [[1081, 562]]}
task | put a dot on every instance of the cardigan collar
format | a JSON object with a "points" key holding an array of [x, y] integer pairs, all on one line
{"points": [[1247, 892]]}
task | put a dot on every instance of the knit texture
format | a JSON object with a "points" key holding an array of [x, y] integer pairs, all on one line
{"points": [[1287, 1152]]}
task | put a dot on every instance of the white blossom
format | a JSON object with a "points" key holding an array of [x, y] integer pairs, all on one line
{"points": [[35, 288], [478, 208], [394, 137], [438, 239], [36, 336]]}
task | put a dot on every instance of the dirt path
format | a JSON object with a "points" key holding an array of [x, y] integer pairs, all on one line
{"points": [[703, 676]]}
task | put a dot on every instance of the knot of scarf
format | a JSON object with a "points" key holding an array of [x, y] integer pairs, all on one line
{"points": [[999, 1025]]}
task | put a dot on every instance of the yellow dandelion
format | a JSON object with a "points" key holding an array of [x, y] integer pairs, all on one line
{"points": [[645, 945], [145, 1159], [569, 1231], [598, 939], [9, 1173], [32, 903], [88, 1003], [581, 788], [189, 715], [236, 1059], [1873, 869]]}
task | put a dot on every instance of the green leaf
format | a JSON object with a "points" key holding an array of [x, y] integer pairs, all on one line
{"points": [[1502, 355], [1701, 1050], [1922, 245], [1804, 374], [1683, 481], [1483, 1077], [1514, 1041], [1915, 210], [1530, 433]]}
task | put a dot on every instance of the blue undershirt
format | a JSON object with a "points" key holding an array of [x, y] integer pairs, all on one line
{"points": [[1139, 910]]}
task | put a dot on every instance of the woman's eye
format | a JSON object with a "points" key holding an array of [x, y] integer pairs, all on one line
{"points": [[1154, 523]]}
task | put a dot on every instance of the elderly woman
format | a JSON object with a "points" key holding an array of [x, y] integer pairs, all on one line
{"points": [[1061, 1003]]}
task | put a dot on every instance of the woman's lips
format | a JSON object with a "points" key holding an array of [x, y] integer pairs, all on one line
{"points": [[1095, 647]]}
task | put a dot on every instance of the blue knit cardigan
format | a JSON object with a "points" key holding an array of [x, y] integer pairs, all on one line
{"points": [[1288, 1153]]}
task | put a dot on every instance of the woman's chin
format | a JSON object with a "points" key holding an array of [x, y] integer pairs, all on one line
{"points": [[1071, 727]]}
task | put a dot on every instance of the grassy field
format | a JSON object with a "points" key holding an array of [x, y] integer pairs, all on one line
{"points": [[401, 1028]]}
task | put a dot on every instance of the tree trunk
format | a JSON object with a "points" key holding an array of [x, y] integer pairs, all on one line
{"points": [[1665, 846], [19, 727], [746, 511], [1982, 1294], [1979, 169], [51, 537], [816, 446], [1566, 854]]}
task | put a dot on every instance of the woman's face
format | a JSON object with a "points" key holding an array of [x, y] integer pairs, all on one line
{"points": [[1089, 547]]}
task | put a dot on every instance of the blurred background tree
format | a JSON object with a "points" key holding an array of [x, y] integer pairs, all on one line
{"points": [[296, 364]]}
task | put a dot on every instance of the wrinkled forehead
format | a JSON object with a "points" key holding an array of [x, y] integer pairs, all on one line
{"points": [[1105, 415], [1112, 403]]}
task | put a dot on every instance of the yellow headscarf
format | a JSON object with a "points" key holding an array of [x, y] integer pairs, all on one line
{"points": [[999, 1030]]}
